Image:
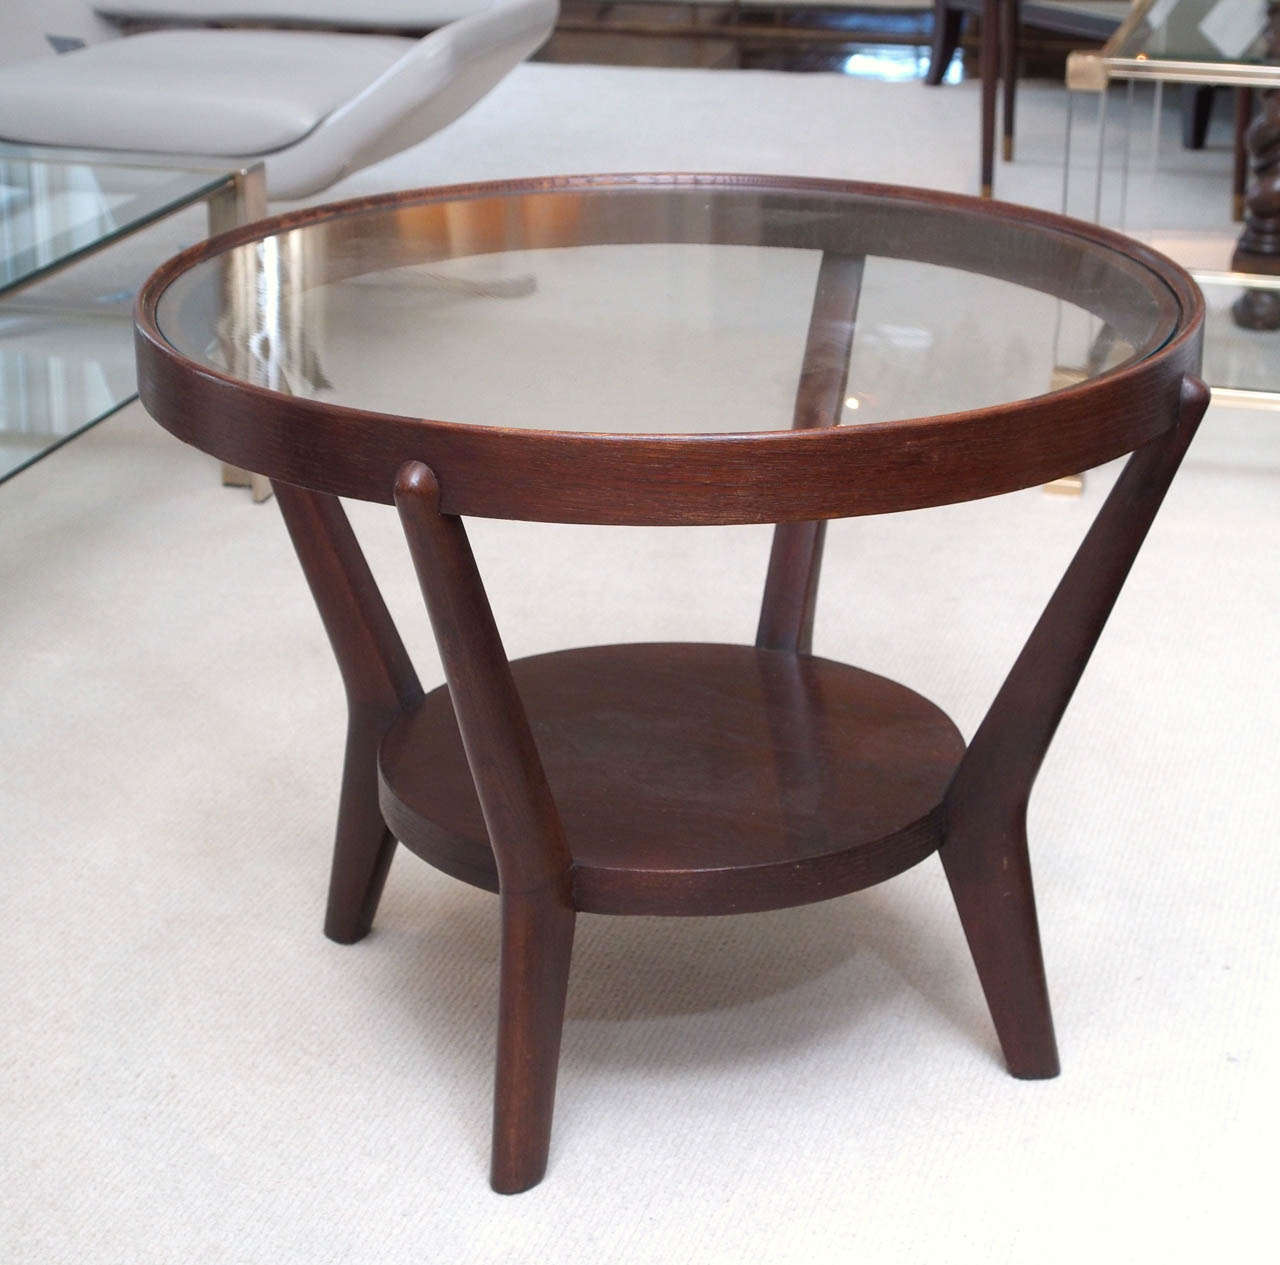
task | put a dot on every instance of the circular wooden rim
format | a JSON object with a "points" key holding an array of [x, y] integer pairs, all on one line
{"points": [[720, 477]]}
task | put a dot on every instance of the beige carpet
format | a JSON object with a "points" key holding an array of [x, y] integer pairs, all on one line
{"points": [[193, 1073]]}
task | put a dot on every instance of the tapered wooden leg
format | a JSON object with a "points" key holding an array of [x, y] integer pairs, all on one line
{"points": [[984, 852], [537, 942], [1010, 20], [989, 69], [380, 683], [791, 588], [1197, 114], [363, 846], [534, 867], [989, 870], [948, 23], [795, 561]]}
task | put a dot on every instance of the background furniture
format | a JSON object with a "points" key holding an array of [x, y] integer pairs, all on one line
{"points": [[1133, 189], [1177, 43], [65, 368], [1002, 20], [312, 106], [394, 17], [672, 779]]}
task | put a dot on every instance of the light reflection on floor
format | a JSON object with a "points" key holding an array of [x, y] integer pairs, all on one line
{"points": [[897, 63]]}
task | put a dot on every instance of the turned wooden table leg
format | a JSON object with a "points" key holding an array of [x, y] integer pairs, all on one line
{"points": [[1258, 250], [380, 683], [984, 852], [534, 869], [1243, 116], [791, 583]]}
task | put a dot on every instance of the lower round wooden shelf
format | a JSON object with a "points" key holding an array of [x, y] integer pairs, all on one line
{"points": [[695, 779]]}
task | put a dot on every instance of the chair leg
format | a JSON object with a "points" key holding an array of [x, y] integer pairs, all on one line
{"points": [[1197, 112], [537, 944], [989, 61], [1010, 18], [948, 25]]}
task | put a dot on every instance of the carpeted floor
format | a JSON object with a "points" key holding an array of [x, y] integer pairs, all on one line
{"points": [[192, 1072]]}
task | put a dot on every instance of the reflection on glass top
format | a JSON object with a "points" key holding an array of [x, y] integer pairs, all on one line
{"points": [[1200, 30], [611, 311], [52, 211]]}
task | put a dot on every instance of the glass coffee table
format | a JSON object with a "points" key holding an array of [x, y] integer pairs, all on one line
{"points": [[65, 365], [686, 351]]}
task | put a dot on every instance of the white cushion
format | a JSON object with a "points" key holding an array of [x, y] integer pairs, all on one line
{"points": [[232, 93], [391, 15]]}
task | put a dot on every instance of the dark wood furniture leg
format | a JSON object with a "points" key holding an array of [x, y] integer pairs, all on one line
{"points": [[1240, 163], [380, 683], [984, 852], [534, 868], [1197, 113], [989, 67], [948, 25], [791, 584], [1258, 250], [1010, 18]]}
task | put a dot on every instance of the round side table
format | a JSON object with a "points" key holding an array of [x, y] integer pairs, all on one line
{"points": [[626, 350]]}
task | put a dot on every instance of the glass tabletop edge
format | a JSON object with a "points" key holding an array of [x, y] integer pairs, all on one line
{"points": [[1171, 277]]}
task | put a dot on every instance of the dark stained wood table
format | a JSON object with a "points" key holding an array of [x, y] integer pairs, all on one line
{"points": [[626, 350]]}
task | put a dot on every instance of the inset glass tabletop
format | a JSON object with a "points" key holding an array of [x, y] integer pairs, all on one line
{"points": [[669, 348], [677, 308]]}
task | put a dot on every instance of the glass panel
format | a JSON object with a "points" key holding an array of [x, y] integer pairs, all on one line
{"points": [[660, 336], [52, 212], [59, 374], [1242, 359], [1201, 30], [66, 351]]}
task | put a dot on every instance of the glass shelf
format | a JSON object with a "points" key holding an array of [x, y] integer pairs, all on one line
{"points": [[60, 373], [66, 347]]}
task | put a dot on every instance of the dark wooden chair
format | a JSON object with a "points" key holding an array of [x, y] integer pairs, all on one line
{"points": [[1091, 20]]}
